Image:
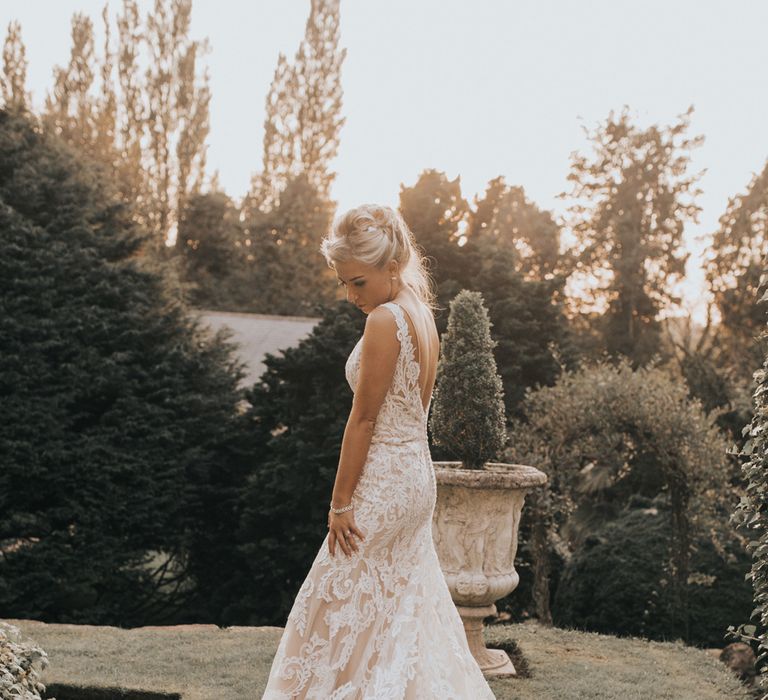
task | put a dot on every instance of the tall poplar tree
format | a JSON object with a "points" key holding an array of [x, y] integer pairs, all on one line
{"points": [[70, 109], [288, 207], [630, 202], [150, 126], [13, 80], [177, 114], [79, 109], [131, 118], [303, 112], [105, 119]]}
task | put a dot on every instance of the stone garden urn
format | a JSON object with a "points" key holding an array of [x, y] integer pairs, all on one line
{"points": [[479, 500], [475, 528]]}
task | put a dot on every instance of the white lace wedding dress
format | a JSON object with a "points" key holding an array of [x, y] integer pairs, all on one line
{"points": [[380, 624]]}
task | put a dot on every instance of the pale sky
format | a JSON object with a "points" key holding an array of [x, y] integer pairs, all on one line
{"points": [[477, 88]]}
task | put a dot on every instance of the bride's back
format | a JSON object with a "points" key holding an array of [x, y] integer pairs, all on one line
{"points": [[425, 339]]}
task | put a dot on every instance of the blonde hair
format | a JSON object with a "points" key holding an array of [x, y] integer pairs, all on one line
{"points": [[375, 234]]}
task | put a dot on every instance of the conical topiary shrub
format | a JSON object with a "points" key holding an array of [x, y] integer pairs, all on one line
{"points": [[467, 418]]}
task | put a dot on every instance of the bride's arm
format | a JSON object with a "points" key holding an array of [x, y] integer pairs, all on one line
{"points": [[378, 357]]}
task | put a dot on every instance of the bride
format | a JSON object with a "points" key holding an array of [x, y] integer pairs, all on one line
{"points": [[374, 619]]}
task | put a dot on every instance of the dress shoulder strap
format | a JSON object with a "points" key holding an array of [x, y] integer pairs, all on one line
{"points": [[402, 325], [407, 349]]}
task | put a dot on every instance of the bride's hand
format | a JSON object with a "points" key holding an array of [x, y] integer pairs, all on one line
{"points": [[341, 529]]}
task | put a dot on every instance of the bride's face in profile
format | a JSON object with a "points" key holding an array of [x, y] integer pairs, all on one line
{"points": [[367, 286]]}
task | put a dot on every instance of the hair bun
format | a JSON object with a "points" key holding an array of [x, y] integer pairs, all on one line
{"points": [[376, 234], [393, 232]]}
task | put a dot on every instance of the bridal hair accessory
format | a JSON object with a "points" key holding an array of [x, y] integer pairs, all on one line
{"points": [[341, 510], [373, 229]]}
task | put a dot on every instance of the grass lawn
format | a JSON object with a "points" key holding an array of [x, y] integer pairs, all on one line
{"points": [[203, 662]]}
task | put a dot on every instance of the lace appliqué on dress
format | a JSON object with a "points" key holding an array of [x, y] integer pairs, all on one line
{"points": [[380, 624]]}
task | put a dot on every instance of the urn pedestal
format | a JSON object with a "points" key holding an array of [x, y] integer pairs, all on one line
{"points": [[475, 528]]}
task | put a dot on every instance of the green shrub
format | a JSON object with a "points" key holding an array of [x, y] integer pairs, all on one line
{"points": [[467, 418], [618, 582], [607, 432]]}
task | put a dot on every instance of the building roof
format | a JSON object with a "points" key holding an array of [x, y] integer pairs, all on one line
{"points": [[258, 334]]}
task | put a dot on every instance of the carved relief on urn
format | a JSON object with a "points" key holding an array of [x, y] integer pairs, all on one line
{"points": [[475, 533]]}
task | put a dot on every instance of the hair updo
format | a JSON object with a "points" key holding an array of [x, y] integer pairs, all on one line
{"points": [[376, 234]]}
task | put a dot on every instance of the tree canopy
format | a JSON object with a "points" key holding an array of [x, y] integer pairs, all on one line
{"points": [[118, 412]]}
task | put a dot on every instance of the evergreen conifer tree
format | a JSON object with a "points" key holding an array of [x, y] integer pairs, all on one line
{"points": [[118, 416], [467, 418]]}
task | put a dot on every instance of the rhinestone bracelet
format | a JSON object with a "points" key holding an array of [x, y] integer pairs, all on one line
{"points": [[341, 510]]}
